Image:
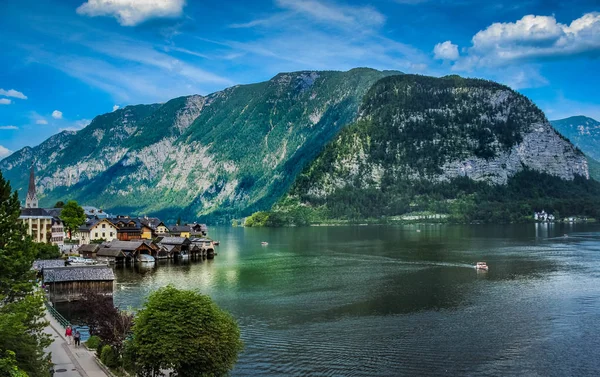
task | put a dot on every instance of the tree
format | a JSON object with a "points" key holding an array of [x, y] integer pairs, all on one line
{"points": [[59, 204], [46, 251], [73, 216], [112, 325], [22, 337], [186, 332]]}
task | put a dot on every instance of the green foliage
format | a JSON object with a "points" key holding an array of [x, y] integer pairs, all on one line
{"points": [[109, 357], [268, 131], [257, 219], [594, 168], [46, 251], [9, 367], [93, 342], [98, 241], [73, 216], [186, 332], [59, 204], [22, 339]]}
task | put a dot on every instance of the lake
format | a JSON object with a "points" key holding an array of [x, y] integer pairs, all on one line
{"points": [[401, 301]]}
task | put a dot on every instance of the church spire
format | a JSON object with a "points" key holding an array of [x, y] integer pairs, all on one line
{"points": [[31, 201]]}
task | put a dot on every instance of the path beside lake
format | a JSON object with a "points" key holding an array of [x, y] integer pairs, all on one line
{"points": [[70, 361]]}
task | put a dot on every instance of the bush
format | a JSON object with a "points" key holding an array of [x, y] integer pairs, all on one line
{"points": [[93, 342], [109, 357]]}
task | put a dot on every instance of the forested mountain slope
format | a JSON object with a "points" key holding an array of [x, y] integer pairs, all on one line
{"points": [[436, 144], [214, 157], [582, 131]]}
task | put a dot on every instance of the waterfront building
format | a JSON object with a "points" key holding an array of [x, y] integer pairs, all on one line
{"points": [[69, 283], [97, 229]]}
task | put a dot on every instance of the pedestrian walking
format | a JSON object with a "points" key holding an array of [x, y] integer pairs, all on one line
{"points": [[69, 334], [77, 338]]}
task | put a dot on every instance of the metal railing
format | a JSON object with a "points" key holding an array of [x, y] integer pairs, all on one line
{"points": [[54, 313]]}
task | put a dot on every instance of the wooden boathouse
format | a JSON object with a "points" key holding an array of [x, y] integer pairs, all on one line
{"points": [[69, 283]]}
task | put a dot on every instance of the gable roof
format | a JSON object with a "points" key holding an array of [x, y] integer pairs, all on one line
{"points": [[45, 263], [174, 241], [78, 273], [110, 252], [92, 223], [125, 245], [91, 248], [179, 228], [34, 212]]}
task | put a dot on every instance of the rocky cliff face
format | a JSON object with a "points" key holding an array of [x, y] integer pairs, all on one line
{"points": [[218, 156], [415, 128]]}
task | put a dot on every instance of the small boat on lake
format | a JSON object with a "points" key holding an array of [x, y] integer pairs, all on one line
{"points": [[145, 258], [216, 243], [482, 266], [264, 243]]}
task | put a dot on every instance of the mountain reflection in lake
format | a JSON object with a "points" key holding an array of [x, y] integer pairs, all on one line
{"points": [[391, 301]]}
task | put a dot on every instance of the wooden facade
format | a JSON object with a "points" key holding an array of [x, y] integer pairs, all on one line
{"points": [[69, 283]]}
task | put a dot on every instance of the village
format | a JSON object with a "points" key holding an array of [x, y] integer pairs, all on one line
{"points": [[103, 241]]}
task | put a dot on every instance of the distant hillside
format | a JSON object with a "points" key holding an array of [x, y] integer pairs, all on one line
{"points": [[594, 167], [215, 157], [584, 132], [473, 149]]}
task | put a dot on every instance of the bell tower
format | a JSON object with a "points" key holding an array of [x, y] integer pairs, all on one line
{"points": [[31, 201]]}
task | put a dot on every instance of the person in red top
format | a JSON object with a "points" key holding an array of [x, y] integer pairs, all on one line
{"points": [[69, 334]]}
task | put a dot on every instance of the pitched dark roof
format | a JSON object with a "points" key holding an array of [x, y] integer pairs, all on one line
{"points": [[54, 212], [110, 252], [34, 212], [179, 228], [78, 273], [151, 222], [45, 263], [89, 248], [91, 223], [125, 245], [174, 241]]}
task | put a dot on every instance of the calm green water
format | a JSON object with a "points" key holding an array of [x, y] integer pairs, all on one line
{"points": [[392, 301]]}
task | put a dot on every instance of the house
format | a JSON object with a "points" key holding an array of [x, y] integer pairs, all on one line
{"points": [[38, 223], [174, 245], [69, 283], [43, 225], [95, 213], [132, 249], [89, 250], [156, 227], [180, 231], [128, 229], [97, 229], [111, 255], [198, 230]]}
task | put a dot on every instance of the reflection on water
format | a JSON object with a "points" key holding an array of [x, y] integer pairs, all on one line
{"points": [[389, 301]]}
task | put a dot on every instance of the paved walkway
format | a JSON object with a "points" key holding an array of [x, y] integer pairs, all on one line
{"points": [[68, 360]]}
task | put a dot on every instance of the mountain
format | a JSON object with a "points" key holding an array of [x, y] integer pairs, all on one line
{"points": [[198, 157], [584, 132], [445, 145]]}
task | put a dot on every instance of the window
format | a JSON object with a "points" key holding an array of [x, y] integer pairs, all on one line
{"points": [[95, 234], [103, 235], [103, 226], [111, 234]]}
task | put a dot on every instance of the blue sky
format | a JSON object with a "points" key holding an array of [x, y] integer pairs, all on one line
{"points": [[64, 62]]}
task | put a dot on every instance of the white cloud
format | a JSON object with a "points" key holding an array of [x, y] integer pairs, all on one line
{"points": [[41, 121], [533, 38], [115, 107], [5, 101], [9, 128], [4, 152], [132, 12], [446, 51], [57, 114], [12, 93]]}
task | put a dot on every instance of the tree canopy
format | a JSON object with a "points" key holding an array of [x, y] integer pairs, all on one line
{"points": [[186, 332], [22, 340], [73, 216]]}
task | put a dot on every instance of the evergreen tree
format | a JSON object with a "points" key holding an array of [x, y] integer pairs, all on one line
{"points": [[22, 340]]}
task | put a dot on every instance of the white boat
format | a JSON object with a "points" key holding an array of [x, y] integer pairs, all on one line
{"points": [[145, 258], [184, 254], [264, 243], [482, 266]]}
